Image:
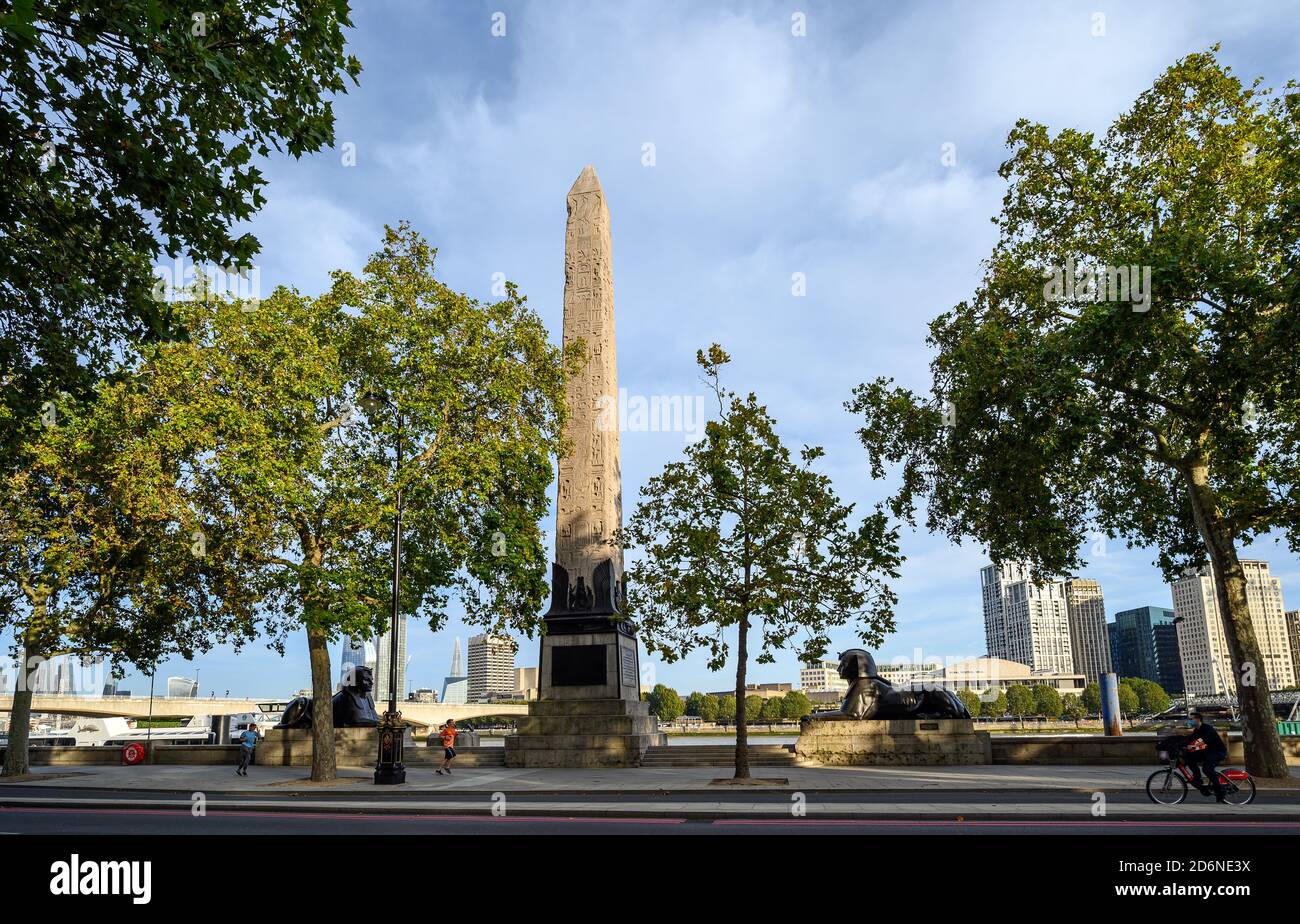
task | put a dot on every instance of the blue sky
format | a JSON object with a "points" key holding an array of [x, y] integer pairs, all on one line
{"points": [[774, 154]]}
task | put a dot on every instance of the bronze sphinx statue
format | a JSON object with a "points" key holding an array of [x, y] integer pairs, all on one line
{"points": [[352, 706], [873, 697]]}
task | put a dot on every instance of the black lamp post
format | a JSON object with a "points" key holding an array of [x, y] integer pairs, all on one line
{"points": [[389, 768]]}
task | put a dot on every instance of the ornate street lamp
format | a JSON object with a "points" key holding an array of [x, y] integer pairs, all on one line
{"points": [[389, 768]]}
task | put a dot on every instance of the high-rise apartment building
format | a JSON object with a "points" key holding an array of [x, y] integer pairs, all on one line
{"points": [[994, 580], [1024, 621], [491, 666], [1087, 616], [383, 651], [1203, 645]]}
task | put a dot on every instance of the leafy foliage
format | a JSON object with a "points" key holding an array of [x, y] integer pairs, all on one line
{"points": [[128, 128], [1171, 419], [294, 410], [738, 534]]}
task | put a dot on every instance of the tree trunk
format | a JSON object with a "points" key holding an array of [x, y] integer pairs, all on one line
{"points": [[20, 716], [742, 724], [323, 765], [1263, 747]]}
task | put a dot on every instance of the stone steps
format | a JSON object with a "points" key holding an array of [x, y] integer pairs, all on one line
{"points": [[688, 755]]}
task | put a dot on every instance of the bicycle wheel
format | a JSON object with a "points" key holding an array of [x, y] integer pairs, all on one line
{"points": [[1238, 792], [1165, 787]]}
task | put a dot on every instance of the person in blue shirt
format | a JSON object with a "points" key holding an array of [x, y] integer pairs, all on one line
{"points": [[247, 741]]}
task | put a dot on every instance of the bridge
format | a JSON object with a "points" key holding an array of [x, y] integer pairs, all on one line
{"points": [[138, 707]]}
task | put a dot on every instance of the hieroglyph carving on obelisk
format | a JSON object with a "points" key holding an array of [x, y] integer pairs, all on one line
{"points": [[590, 506]]}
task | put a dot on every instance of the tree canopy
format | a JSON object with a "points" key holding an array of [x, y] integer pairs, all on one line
{"points": [[293, 410], [1127, 364], [132, 129], [739, 534]]}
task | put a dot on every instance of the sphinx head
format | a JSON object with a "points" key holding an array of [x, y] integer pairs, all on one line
{"points": [[360, 679], [856, 664]]}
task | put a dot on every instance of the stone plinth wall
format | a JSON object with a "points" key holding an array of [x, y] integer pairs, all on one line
{"points": [[902, 742], [583, 733], [1099, 749], [353, 747]]}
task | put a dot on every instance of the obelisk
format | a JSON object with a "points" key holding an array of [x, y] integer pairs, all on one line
{"points": [[590, 504], [589, 711]]}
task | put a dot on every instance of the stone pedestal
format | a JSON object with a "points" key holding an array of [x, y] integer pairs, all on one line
{"points": [[901, 742], [583, 733], [291, 747]]}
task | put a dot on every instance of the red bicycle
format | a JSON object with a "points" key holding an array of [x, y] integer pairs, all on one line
{"points": [[1169, 786]]}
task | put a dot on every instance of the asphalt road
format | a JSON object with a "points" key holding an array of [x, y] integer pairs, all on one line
{"points": [[19, 821], [113, 812], [397, 795]]}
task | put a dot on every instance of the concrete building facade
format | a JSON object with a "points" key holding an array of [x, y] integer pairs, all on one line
{"points": [[491, 666], [1202, 642], [383, 651], [1089, 644], [822, 677]]}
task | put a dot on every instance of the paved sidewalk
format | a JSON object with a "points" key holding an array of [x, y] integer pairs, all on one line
{"points": [[290, 780]]}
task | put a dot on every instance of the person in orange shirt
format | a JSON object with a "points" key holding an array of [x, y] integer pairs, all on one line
{"points": [[448, 738]]}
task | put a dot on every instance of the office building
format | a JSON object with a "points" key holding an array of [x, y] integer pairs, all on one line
{"points": [[987, 677], [1144, 643], [182, 688], [491, 666], [1202, 642], [526, 683], [1089, 644], [1293, 639], [357, 652], [822, 677], [455, 686], [383, 651]]}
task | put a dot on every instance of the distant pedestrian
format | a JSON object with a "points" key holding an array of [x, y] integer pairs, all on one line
{"points": [[448, 737], [247, 741]]}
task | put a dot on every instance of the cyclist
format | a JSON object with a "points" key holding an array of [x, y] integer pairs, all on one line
{"points": [[1209, 755]]}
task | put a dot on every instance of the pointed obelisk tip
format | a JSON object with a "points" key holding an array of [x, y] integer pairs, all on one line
{"points": [[586, 181]]}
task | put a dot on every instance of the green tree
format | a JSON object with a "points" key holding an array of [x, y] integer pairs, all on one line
{"points": [[739, 535], [1091, 699], [1127, 364], [771, 711], [705, 705], [1047, 701], [970, 699], [726, 709], [795, 705], [1072, 708], [753, 708], [1152, 698], [994, 708], [1128, 701], [665, 703], [297, 409], [130, 128], [102, 551], [1020, 700]]}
